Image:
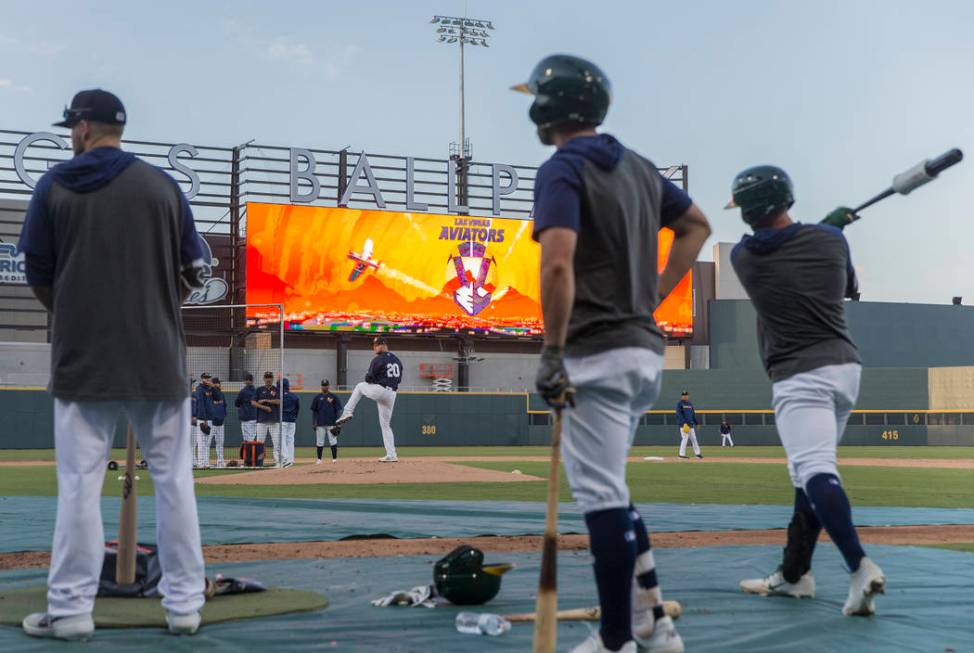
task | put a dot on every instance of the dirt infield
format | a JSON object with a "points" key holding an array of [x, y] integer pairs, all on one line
{"points": [[368, 471], [369, 548]]}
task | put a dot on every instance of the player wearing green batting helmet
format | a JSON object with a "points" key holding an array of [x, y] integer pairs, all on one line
{"points": [[761, 192], [568, 92]]}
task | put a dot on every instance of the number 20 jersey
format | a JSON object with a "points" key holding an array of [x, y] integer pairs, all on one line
{"points": [[385, 370]]}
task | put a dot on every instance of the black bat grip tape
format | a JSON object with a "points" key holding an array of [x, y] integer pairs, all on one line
{"points": [[944, 161]]}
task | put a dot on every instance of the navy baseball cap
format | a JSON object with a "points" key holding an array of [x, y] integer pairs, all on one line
{"points": [[94, 104]]}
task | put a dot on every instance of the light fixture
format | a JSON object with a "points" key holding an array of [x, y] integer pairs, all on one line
{"points": [[452, 39], [436, 19]]}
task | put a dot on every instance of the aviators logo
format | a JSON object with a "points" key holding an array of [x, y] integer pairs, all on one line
{"points": [[215, 288]]}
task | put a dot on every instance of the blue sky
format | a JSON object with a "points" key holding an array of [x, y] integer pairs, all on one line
{"points": [[843, 95]]}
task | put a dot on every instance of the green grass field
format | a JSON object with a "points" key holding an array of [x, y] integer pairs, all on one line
{"points": [[892, 451], [690, 482]]}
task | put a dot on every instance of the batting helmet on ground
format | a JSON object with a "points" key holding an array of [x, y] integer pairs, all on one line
{"points": [[462, 578], [568, 91], [761, 192]]}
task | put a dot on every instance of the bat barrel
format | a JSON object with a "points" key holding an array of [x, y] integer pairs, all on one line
{"points": [[952, 157]]}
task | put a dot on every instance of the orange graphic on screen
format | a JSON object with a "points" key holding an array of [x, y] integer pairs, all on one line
{"points": [[338, 269]]}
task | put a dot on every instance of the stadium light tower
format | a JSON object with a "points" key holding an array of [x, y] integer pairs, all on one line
{"points": [[462, 31]]}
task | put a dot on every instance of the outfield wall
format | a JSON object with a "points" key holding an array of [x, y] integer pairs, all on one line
{"points": [[887, 334], [894, 409]]}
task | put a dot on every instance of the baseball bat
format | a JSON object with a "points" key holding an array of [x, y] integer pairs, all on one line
{"points": [[546, 606], [125, 558], [920, 174], [673, 609]]}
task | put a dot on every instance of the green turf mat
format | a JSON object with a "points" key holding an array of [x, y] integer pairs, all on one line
{"points": [[148, 613]]}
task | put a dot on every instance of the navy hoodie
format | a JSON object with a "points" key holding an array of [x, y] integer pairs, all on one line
{"points": [[796, 278], [290, 405], [560, 185]]}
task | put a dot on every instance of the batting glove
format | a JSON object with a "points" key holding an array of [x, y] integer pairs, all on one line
{"points": [[840, 217], [552, 380]]}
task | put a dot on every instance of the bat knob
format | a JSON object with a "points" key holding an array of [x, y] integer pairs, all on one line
{"points": [[944, 161]]}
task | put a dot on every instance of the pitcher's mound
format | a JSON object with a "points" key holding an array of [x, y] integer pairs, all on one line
{"points": [[368, 471]]}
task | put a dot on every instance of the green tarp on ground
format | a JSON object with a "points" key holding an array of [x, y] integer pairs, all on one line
{"points": [[229, 520], [927, 606]]}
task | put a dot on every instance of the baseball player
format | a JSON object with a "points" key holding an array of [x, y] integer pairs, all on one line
{"points": [[204, 418], [247, 409], [218, 413], [268, 404], [725, 433], [598, 208], [686, 417], [111, 250], [325, 409], [381, 384], [797, 276], [290, 406]]}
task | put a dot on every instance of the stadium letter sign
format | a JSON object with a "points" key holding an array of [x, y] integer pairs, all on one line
{"points": [[304, 185], [362, 181], [173, 157]]}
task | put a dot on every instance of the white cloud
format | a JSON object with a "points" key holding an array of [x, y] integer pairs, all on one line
{"points": [[46, 48], [9, 85], [283, 49], [341, 60]]}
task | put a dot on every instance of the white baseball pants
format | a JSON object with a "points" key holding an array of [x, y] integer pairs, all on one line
{"points": [[385, 400], [613, 390], [218, 433], [725, 438], [203, 441], [321, 432], [248, 431], [83, 439], [287, 442], [811, 410], [274, 429], [690, 435]]}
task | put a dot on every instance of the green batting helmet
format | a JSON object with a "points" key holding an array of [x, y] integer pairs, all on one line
{"points": [[761, 192], [567, 91], [462, 578]]}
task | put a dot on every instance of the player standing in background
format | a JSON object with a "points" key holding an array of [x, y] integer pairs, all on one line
{"points": [[219, 416], [797, 276], [381, 383], [110, 249], [268, 405], [290, 406], [204, 431], [725, 433], [686, 417], [598, 207], [325, 409], [246, 409]]}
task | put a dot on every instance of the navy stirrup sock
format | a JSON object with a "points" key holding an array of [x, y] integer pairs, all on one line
{"points": [[613, 545], [834, 513], [320, 449], [645, 562], [334, 452], [804, 506]]}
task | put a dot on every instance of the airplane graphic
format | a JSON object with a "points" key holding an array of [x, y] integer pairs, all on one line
{"points": [[363, 261]]}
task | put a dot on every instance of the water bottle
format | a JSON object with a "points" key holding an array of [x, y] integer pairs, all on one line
{"points": [[471, 623]]}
